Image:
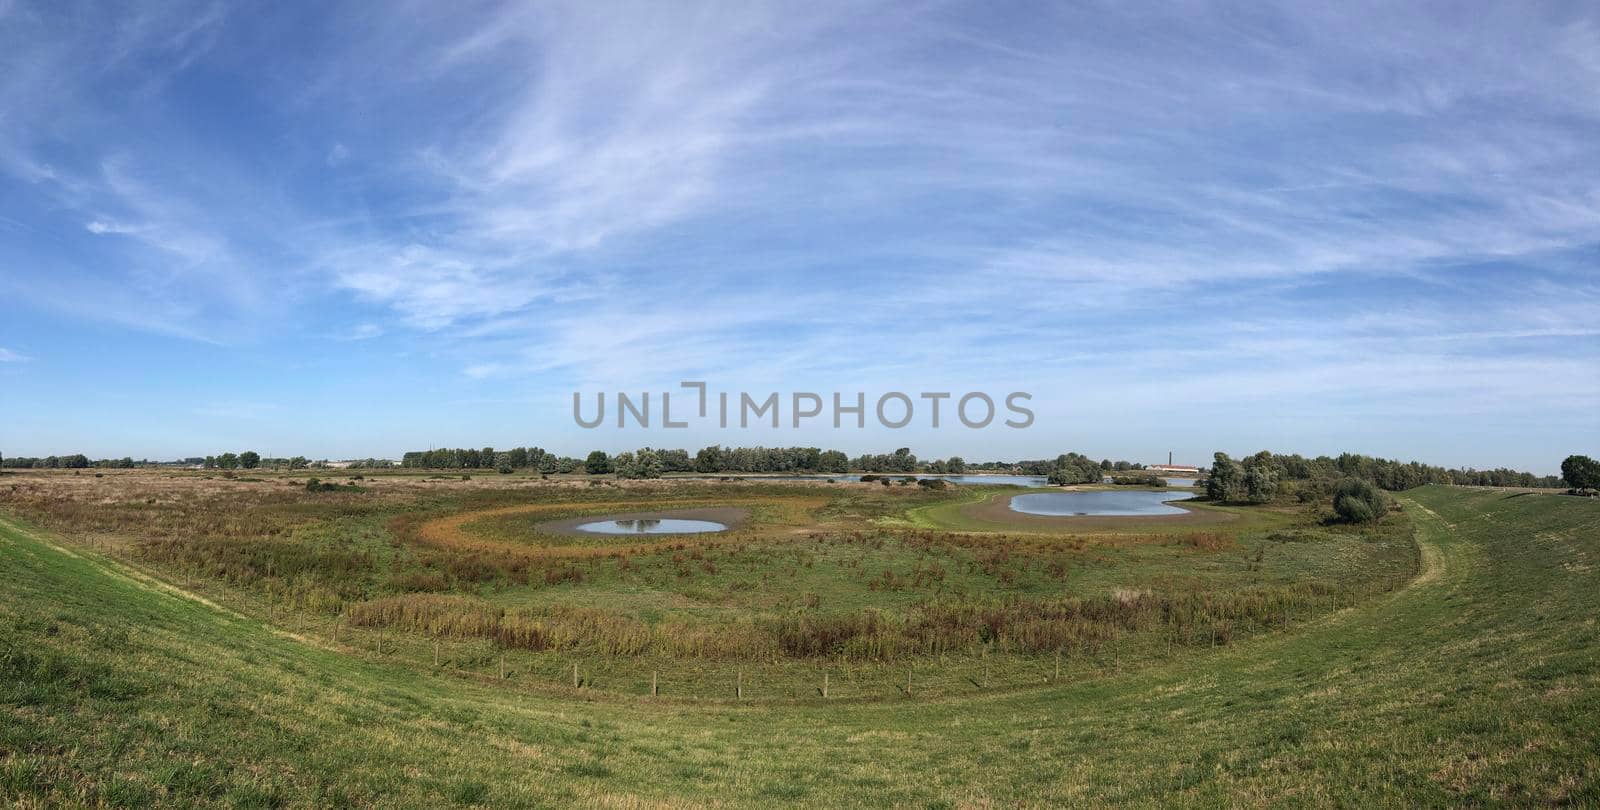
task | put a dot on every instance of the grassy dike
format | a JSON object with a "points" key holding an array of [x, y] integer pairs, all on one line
{"points": [[1477, 683]]}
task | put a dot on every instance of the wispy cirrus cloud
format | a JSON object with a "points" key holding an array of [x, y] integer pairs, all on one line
{"points": [[1223, 197]]}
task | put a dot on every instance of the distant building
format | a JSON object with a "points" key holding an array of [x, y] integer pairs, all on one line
{"points": [[1173, 468]]}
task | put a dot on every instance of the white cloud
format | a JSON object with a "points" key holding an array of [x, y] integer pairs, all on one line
{"points": [[9, 356], [364, 331]]}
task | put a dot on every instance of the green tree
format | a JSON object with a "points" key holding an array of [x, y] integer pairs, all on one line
{"points": [[1359, 500], [645, 463], [1581, 472], [598, 463], [249, 459], [833, 461], [1260, 477], [298, 463], [1226, 482], [228, 461]]}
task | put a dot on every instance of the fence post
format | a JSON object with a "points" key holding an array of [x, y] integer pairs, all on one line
{"points": [[436, 652], [1057, 678], [738, 686], [575, 675], [502, 666], [653, 689], [908, 681], [824, 686]]}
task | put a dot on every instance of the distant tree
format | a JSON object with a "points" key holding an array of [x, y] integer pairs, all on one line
{"points": [[516, 457], [956, 465], [228, 461], [646, 463], [249, 459], [833, 461], [675, 461], [598, 463], [1226, 482], [297, 463], [1260, 477], [1359, 500], [709, 459], [1581, 472], [1071, 468], [1260, 483]]}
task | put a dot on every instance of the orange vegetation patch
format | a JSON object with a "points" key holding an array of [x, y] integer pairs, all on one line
{"points": [[451, 531]]}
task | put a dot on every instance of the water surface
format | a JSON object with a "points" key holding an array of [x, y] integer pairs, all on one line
{"points": [[1105, 502], [652, 526]]}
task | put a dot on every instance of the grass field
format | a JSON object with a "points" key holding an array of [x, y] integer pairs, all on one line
{"points": [[1471, 678]]}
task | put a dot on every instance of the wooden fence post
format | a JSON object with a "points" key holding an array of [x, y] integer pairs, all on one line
{"points": [[502, 666], [436, 652], [824, 686], [575, 675], [908, 681], [738, 686], [1057, 678]]}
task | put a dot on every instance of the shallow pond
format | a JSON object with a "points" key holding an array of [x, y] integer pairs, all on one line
{"points": [[1107, 502], [652, 526]]}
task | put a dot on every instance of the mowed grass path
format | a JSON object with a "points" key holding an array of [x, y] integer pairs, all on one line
{"points": [[1478, 683]]}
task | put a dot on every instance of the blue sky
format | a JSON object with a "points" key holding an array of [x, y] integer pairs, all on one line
{"points": [[365, 228]]}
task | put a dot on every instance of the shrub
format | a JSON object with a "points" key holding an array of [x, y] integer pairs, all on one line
{"points": [[1358, 501], [1147, 480], [933, 483], [317, 485]]}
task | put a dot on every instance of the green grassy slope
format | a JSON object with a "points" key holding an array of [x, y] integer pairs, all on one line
{"points": [[1480, 683]]}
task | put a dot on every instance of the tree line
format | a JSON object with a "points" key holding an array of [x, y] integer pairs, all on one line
{"points": [[487, 458], [1256, 476]]}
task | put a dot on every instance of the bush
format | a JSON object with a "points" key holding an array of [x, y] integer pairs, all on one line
{"points": [[933, 483], [1358, 501], [1150, 480], [318, 485]]}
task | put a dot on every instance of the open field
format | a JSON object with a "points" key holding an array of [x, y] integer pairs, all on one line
{"points": [[1445, 657], [815, 582]]}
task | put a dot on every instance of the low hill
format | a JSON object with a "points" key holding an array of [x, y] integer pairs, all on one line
{"points": [[1477, 683]]}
